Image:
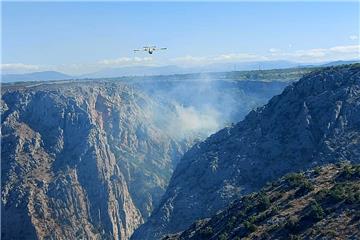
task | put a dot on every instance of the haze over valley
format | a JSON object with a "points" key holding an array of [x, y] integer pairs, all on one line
{"points": [[177, 121], [134, 133]]}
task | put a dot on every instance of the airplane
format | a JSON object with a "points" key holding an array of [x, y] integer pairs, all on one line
{"points": [[150, 49]]}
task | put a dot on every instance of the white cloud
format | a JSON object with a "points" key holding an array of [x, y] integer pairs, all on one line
{"points": [[274, 50], [236, 57], [227, 57], [18, 67], [315, 54], [311, 53], [125, 61], [346, 49], [333, 53], [190, 59], [344, 52], [353, 37]]}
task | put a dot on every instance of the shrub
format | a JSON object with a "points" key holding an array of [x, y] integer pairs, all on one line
{"points": [[252, 219], [250, 226], [350, 172], [206, 232], [338, 192], [305, 188], [262, 216], [344, 192], [292, 224], [295, 237], [299, 180], [223, 236], [316, 211], [231, 222], [348, 192], [322, 194], [248, 203], [295, 179], [317, 170], [275, 210], [263, 201]]}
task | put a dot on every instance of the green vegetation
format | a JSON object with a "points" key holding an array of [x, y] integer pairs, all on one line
{"points": [[263, 201], [316, 211], [249, 226], [223, 236], [345, 192], [299, 180], [317, 170], [231, 222], [292, 224], [349, 173], [346, 189], [289, 74], [295, 237], [276, 212], [206, 232]]}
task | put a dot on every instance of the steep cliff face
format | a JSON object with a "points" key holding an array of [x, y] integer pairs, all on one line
{"points": [[323, 203], [91, 159], [82, 160], [314, 121]]}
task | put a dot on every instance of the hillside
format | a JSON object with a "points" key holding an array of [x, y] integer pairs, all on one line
{"points": [[161, 74], [269, 75], [323, 203], [313, 122], [82, 160], [91, 159]]}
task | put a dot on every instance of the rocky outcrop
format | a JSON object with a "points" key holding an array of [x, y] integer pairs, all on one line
{"points": [[91, 159], [323, 203], [314, 121], [81, 161]]}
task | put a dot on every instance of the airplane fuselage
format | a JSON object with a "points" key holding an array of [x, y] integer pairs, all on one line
{"points": [[149, 50]]}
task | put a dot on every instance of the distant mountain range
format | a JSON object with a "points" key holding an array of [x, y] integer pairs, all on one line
{"points": [[136, 71], [164, 70], [35, 76], [337, 63], [222, 67]]}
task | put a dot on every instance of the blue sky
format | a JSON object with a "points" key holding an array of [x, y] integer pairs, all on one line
{"points": [[79, 37]]}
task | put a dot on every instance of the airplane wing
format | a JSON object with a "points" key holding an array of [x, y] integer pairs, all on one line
{"points": [[164, 48], [138, 50]]}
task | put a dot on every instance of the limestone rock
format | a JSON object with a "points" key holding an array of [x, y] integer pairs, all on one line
{"points": [[314, 121]]}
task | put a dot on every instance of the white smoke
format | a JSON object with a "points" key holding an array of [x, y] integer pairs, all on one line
{"points": [[190, 121], [200, 106]]}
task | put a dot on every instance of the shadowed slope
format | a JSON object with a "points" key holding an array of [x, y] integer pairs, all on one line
{"points": [[314, 121]]}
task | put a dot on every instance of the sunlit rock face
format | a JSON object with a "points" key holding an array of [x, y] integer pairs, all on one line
{"points": [[91, 159], [81, 161], [313, 121]]}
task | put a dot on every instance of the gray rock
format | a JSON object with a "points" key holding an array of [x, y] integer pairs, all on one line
{"points": [[83, 161], [91, 159], [314, 121]]}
